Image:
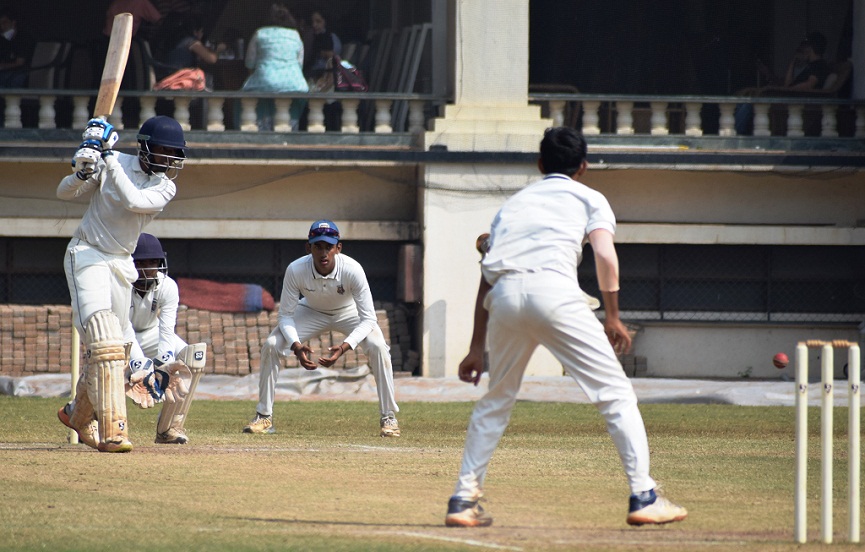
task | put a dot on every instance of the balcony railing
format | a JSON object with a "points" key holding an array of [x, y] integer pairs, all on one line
{"points": [[380, 113]]}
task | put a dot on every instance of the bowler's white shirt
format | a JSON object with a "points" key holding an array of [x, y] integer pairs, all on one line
{"points": [[123, 200], [345, 287], [543, 227]]}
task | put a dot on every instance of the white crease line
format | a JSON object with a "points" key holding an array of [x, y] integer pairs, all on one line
{"points": [[651, 543], [452, 539]]}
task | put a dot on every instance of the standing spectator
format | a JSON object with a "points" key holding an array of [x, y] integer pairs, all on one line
{"points": [[141, 10], [124, 193], [275, 56], [336, 296], [16, 49], [529, 296]]}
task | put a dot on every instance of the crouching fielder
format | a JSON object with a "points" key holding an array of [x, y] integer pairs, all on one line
{"points": [[153, 315], [124, 193]]}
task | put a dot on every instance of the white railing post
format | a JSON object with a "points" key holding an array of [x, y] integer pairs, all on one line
{"points": [[761, 120], [216, 114], [794, 120], [693, 125], [349, 116], [116, 117], [591, 117], [80, 113], [181, 112], [12, 116], [557, 112], [46, 112], [829, 121], [281, 116], [148, 108], [415, 116], [247, 114], [625, 118], [860, 122], [315, 120], [660, 125], [727, 120], [383, 116]]}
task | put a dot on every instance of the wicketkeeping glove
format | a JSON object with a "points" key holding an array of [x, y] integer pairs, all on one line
{"points": [[85, 159], [146, 386], [99, 129]]}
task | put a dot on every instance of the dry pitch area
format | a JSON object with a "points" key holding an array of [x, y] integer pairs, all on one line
{"points": [[326, 481]]}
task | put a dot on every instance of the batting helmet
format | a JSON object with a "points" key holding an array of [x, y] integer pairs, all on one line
{"points": [[165, 132], [148, 248]]}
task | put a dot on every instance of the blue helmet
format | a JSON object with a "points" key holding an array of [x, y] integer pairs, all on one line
{"points": [[166, 132], [148, 248]]}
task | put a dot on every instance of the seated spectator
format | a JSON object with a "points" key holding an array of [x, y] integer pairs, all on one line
{"points": [[184, 46], [320, 45], [807, 71], [16, 49], [275, 56]]}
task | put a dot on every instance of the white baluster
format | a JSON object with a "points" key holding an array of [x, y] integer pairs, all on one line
{"points": [[116, 117], [281, 117], [761, 120], [728, 120], [148, 108], [660, 127], [829, 122], [590, 117], [12, 116], [46, 112], [693, 121], [415, 116], [860, 122], [349, 116], [383, 117], [625, 118], [247, 114], [315, 120], [80, 112], [794, 121], [557, 112], [215, 114], [181, 112]]}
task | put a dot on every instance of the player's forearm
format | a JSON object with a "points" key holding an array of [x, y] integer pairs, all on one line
{"points": [[72, 187], [481, 317], [611, 304], [147, 201]]}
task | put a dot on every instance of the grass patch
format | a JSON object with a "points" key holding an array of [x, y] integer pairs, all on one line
{"points": [[326, 481]]}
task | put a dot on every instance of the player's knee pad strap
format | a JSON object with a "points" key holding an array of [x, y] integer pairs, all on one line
{"points": [[106, 354]]}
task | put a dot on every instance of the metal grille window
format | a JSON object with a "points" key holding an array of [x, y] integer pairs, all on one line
{"points": [[738, 283]]}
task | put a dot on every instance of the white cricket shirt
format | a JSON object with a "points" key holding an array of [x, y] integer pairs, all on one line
{"points": [[345, 287], [123, 200], [543, 227], [157, 307]]}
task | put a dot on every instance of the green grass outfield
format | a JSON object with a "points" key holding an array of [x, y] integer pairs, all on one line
{"points": [[326, 481]]}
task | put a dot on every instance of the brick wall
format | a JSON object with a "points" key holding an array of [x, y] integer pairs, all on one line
{"points": [[38, 339]]}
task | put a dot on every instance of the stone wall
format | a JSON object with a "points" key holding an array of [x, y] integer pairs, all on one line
{"points": [[37, 339]]}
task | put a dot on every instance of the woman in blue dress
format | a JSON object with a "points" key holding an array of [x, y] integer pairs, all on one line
{"points": [[275, 56]]}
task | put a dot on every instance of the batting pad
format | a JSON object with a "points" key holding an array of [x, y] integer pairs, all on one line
{"points": [[82, 414], [106, 355], [173, 414]]}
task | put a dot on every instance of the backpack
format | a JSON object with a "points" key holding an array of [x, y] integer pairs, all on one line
{"points": [[347, 77]]}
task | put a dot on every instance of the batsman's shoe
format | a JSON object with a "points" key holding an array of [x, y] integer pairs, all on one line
{"points": [[260, 424], [389, 426], [172, 436], [89, 434], [466, 513], [115, 444], [649, 508]]}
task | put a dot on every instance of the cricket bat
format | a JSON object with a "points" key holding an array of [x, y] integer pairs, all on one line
{"points": [[115, 65]]}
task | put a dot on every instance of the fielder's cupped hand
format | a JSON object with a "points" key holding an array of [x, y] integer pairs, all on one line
{"points": [[303, 354], [472, 367], [335, 353], [618, 335]]}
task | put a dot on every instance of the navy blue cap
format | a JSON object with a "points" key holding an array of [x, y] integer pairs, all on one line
{"points": [[324, 230]]}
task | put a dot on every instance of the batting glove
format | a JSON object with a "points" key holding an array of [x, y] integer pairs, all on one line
{"points": [[98, 129], [84, 160]]}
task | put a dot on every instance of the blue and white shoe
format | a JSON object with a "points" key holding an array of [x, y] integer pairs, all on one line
{"points": [[466, 513], [649, 508]]}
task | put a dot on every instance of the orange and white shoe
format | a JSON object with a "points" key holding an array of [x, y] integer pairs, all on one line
{"points": [[87, 434], [466, 513], [647, 508]]}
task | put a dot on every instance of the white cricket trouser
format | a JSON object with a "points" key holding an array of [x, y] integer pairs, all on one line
{"points": [[548, 309], [311, 323], [146, 343], [98, 281]]}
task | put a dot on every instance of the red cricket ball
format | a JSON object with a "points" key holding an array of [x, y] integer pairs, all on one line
{"points": [[780, 360]]}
